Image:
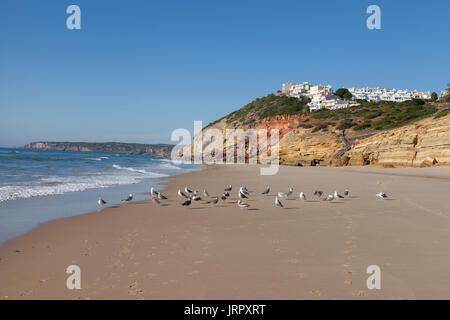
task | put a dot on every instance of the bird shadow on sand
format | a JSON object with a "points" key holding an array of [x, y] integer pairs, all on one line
{"points": [[198, 208], [336, 202], [353, 197], [165, 205], [253, 209], [289, 208]]}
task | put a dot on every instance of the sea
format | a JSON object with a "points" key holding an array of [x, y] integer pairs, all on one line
{"points": [[37, 186]]}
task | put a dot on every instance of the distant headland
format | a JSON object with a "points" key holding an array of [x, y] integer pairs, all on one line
{"points": [[162, 150]]}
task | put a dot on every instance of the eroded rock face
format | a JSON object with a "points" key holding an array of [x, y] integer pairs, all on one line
{"points": [[300, 146], [426, 143]]}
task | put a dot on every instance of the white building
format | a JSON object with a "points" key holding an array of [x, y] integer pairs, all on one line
{"points": [[321, 97], [394, 95]]}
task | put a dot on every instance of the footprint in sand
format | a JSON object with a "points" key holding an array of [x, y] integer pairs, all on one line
{"points": [[193, 272], [316, 292], [360, 293]]}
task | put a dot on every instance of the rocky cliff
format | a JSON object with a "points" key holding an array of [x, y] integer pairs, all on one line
{"points": [[162, 150], [424, 143]]}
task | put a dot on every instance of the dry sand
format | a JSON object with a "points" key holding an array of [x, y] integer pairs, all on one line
{"points": [[309, 250]]}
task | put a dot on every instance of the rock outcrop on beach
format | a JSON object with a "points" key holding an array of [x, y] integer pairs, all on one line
{"points": [[162, 150], [422, 143]]}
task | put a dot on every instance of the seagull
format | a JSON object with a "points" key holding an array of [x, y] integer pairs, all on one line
{"points": [[243, 190], [182, 194], [290, 191], [153, 192], [242, 196], [226, 194], [266, 191], [382, 195], [155, 201], [187, 202], [229, 188], [101, 202], [214, 201], [223, 197], [329, 198], [346, 192], [205, 193], [242, 204], [187, 190], [278, 202], [282, 194], [161, 196], [196, 198], [302, 196], [318, 193], [337, 195], [130, 197]]}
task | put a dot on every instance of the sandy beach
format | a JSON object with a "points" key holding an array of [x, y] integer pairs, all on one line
{"points": [[308, 250]]}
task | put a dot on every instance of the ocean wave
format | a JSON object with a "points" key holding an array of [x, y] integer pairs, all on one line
{"points": [[141, 171], [97, 159], [58, 185]]}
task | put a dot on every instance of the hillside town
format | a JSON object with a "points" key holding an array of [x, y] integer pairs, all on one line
{"points": [[322, 97]]}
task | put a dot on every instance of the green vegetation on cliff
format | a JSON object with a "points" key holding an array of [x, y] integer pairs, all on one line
{"points": [[367, 116]]}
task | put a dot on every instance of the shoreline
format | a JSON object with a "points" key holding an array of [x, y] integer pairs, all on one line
{"points": [[205, 252]]}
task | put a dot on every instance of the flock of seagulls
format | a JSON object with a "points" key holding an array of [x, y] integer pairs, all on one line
{"points": [[190, 196]]}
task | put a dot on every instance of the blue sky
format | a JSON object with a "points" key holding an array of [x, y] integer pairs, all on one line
{"points": [[137, 70]]}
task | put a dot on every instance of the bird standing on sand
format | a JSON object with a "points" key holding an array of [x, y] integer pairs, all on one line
{"points": [[242, 204], [346, 192], [318, 193], [290, 191], [187, 203], [329, 198], [278, 202], [161, 196], [302, 196], [266, 191], [382, 195], [242, 195], [129, 198], [182, 194], [153, 192], [337, 195], [229, 188], [205, 193], [282, 194], [223, 197], [244, 190], [187, 190], [196, 198], [214, 201], [156, 201], [101, 202]]}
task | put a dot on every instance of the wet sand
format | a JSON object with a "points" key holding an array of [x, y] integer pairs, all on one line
{"points": [[308, 250]]}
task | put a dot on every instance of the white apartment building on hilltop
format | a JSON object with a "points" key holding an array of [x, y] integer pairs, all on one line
{"points": [[393, 95], [321, 97]]}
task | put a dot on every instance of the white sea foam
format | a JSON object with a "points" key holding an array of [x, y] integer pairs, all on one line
{"points": [[59, 185], [142, 171]]}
